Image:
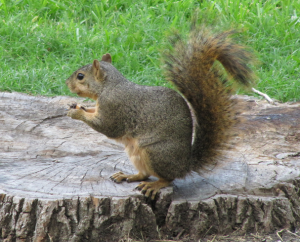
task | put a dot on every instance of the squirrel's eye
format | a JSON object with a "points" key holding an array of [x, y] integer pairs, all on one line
{"points": [[80, 76]]}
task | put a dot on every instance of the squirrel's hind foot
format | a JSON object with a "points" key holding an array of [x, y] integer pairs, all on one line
{"points": [[120, 176], [150, 189]]}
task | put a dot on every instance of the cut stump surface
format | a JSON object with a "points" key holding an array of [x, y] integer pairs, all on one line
{"points": [[55, 186]]}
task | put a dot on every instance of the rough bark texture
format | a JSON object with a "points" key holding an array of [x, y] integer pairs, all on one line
{"points": [[55, 186]]}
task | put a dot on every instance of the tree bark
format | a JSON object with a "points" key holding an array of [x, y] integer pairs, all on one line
{"points": [[55, 186]]}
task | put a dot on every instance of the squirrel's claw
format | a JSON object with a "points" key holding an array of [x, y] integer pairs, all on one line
{"points": [[83, 108], [72, 106], [118, 177], [150, 189], [76, 106]]}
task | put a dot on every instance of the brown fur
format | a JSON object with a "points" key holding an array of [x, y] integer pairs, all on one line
{"points": [[155, 123], [204, 87], [137, 155]]}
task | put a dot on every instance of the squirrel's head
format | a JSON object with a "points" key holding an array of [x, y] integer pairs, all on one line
{"points": [[88, 80]]}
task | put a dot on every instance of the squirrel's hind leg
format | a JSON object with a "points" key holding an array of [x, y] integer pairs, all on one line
{"points": [[120, 176], [152, 188]]}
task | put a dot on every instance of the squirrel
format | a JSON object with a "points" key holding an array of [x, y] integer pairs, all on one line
{"points": [[156, 124]]}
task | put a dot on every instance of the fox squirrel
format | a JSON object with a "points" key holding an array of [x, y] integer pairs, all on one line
{"points": [[155, 123]]}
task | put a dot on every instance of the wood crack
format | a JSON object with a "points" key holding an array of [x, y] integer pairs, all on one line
{"points": [[45, 119]]}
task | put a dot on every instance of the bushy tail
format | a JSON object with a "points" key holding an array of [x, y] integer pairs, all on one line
{"points": [[191, 67]]}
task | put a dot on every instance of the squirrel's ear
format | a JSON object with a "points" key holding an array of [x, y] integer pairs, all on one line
{"points": [[97, 71], [106, 58]]}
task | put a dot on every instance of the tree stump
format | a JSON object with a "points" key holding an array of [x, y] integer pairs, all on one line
{"points": [[55, 186]]}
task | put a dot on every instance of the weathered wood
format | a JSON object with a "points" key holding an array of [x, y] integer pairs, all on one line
{"points": [[55, 186]]}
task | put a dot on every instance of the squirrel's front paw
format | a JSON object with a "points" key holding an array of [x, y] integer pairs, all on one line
{"points": [[72, 106], [75, 113], [76, 106]]}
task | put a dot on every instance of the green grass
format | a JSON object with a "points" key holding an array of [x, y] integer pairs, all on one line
{"points": [[43, 42]]}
